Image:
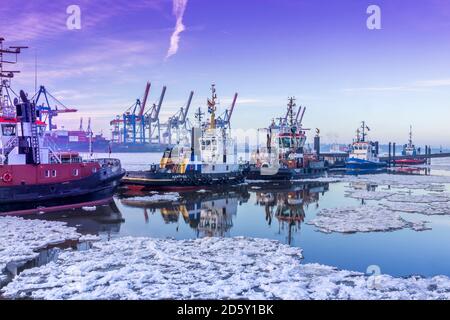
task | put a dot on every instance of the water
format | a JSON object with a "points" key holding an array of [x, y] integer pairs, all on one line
{"points": [[276, 212]]}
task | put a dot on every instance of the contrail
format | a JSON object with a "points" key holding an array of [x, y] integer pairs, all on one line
{"points": [[179, 7]]}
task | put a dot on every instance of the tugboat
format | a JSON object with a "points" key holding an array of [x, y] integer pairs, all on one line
{"points": [[285, 156], [210, 160], [409, 150], [363, 157], [32, 172]]}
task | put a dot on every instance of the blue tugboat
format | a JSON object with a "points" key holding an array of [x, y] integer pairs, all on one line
{"points": [[363, 157]]}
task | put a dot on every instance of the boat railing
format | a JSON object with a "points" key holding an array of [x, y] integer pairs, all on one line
{"points": [[54, 156], [7, 148], [113, 164]]}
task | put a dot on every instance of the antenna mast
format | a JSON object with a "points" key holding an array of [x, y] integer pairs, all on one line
{"points": [[5, 99]]}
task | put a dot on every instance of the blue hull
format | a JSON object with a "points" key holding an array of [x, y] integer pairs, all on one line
{"points": [[353, 164]]}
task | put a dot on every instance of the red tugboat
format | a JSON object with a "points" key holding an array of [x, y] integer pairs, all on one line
{"points": [[410, 150], [285, 156], [32, 174]]}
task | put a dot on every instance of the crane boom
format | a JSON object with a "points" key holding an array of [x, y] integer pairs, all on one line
{"points": [[161, 99], [298, 114], [303, 113], [187, 106], [144, 102], [232, 108]]}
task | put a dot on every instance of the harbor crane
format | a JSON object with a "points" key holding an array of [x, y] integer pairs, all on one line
{"points": [[133, 121], [45, 108], [152, 123], [225, 119], [178, 122]]}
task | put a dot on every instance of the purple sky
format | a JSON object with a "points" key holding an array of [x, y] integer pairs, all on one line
{"points": [[317, 50]]}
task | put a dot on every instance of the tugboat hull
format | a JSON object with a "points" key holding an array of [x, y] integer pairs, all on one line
{"points": [[160, 180], [103, 181], [354, 164], [410, 162]]}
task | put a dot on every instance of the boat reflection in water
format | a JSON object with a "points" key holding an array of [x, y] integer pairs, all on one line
{"points": [[214, 212], [210, 213], [288, 205], [104, 219]]}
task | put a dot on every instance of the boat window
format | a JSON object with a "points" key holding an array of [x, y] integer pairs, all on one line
{"points": [[53, 173], [8, 130], [47, 173], [213, 168], [75, 172]]}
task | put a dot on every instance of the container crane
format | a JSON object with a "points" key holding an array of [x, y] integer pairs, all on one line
{"points": [[152, 123], [133, 121], [225, 119], [45, 108], [178, 121]]}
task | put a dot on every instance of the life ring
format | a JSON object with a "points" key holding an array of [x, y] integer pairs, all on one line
{"points": [[7, 177]]}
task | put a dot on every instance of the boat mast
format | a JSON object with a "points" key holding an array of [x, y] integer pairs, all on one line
{"points": [[364, 127], [5, 98], [290, 111], [410, 136], [212, 107]]}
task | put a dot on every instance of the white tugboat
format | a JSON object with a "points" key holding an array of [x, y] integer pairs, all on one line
{"points": [[210, 160]]}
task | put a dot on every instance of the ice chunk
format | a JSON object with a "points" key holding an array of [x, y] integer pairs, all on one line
{"points": [[366, 218], [20, 239], [166, 197], [436, 208], [404, 181], [368, 195], [420, 198]]}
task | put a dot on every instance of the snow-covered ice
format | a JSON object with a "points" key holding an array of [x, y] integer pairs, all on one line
{"points": [[166, 197], [435, 208], [20, 239], [86, 208], [208, 268], [367, 218], [402, 181], [368, 195], [420, 198]]}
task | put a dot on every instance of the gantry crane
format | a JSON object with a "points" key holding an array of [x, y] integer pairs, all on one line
{"points": [[45, 108], [178, 123], [225, 119], [133, 121], [152, 123]]}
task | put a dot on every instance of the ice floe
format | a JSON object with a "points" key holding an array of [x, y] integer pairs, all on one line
{"points": [[368, 195], [420, 198], [166, 197], [93, 208], [20, 239], [435, 208], [366, 218], [208, 268], [402, 181]]}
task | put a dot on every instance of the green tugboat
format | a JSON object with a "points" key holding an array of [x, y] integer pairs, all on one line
{"points": [[210, 160]]}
